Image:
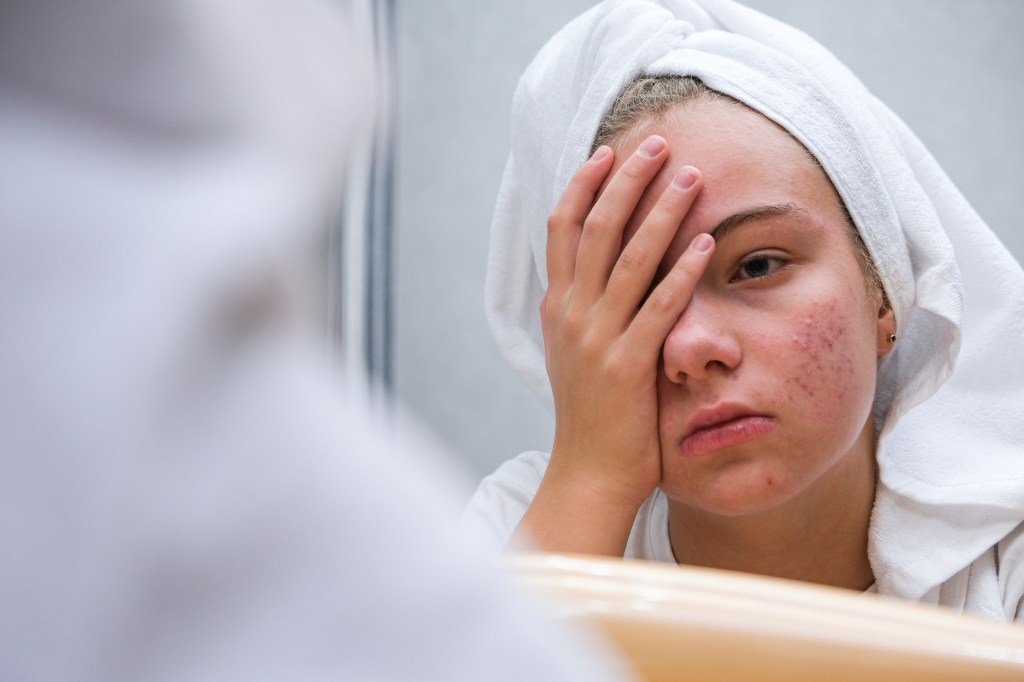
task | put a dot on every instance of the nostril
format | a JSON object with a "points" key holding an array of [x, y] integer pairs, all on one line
{"points": [[701, 344]]}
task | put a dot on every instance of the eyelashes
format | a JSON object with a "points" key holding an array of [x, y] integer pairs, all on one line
{"points": [[755, 267], [758, 266]]}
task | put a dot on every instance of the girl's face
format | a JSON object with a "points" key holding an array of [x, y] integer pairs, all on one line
{"points": [[768, 377]]}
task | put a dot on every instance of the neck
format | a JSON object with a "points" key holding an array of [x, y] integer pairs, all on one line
{"points": [[820, 536]]}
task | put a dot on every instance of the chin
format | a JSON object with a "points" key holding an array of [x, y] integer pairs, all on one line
{"points": [[734, 496]]}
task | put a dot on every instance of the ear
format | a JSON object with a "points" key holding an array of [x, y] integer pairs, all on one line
{"points": [[886, 326]]}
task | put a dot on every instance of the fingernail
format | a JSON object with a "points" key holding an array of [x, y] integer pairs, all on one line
{"points": [[652, 146], [601, 154], [685, 178], [702, 242]]}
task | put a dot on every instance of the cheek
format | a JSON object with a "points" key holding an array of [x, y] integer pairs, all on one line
{"points": [[830, 368]]}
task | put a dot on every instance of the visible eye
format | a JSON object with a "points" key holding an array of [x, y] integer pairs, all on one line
{"points": [[758, 266]]}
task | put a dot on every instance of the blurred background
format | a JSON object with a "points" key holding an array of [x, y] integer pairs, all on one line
{"points": [[949, 68]]}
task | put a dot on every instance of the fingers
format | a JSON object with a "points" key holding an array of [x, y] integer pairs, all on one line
{"points": [[666, 302], [601, 239], [588, 266], [566, 221], [636, 266]]}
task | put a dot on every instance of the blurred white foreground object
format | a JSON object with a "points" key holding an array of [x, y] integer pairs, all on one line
{"points": [[185, 493]]}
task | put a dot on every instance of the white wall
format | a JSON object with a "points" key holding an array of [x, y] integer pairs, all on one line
{"points": [[950, 68]]}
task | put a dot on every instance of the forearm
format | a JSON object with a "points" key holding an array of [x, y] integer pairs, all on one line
{"points": [[571, 514]]}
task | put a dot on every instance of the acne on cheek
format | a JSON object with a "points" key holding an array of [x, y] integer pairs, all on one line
{"points": [[824, 363]]}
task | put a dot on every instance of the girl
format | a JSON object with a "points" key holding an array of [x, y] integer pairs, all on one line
{"points": [[778, 339]]}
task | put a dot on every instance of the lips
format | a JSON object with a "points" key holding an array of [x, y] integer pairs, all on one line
{"points": [[722, 426]]}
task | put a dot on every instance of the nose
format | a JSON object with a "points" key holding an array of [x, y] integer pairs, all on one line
{"points": [[701, 343]]}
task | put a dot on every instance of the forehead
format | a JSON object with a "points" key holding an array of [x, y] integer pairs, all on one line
{"points": [[745, 159]]}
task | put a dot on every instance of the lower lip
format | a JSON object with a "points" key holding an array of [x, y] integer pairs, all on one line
{"points": [[725, 435]]}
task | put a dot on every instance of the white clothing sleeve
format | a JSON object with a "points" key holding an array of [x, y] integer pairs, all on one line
{"points": [[1010, 567], [501, 500]]}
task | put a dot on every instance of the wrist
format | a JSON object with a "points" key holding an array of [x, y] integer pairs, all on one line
{"points": [[575, 512], [597, 489]]}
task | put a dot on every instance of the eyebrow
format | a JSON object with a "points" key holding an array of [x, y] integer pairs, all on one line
{"points": [[755, 213]]}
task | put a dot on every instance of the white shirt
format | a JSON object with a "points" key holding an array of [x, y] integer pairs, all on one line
{"points": [[989, 584]]}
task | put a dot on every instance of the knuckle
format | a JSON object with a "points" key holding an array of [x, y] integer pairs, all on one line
{"points": [[591, 349], [558, 217], [633, 259], [597, 222], [552, 308], [671, 207], [618, 366], [635, 169], [546, 311], [667, 209], [690, 267], [686, 271], [660, 301], [573, 325]]}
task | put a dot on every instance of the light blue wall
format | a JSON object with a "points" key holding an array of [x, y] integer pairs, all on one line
{"points": [[950, 68]]}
